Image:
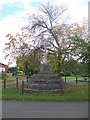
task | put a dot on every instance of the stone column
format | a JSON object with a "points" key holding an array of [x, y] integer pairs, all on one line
{"points": [[45, 66], [45, 54]]}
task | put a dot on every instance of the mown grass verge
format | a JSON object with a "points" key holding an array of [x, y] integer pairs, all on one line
{"points": [[11, 79], [77, 93]]}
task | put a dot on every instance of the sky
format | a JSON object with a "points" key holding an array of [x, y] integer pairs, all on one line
{"points": [[13, 11]]}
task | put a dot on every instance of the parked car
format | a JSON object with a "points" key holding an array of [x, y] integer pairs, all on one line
{"points": [[20, 73]]}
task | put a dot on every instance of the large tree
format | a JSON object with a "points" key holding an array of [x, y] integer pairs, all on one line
{"points": [[49, 26], [63, 39]]}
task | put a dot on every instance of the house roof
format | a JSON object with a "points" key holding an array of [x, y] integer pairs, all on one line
{"points": [[3, 65]]}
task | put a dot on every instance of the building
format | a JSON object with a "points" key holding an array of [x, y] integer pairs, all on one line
{"points": [[2, 67]]}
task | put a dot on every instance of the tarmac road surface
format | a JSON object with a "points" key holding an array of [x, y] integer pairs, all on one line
{"points": [[18, 109]]}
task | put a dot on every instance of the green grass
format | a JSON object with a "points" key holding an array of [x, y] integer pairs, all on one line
{"points": [[11, 78], [69, 77], [77, 93]]}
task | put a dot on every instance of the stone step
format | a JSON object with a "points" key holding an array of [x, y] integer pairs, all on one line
{"points": [[45, 76], [37, 90], [45, 81]]}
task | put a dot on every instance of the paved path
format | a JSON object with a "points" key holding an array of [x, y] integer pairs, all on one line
{"points": [[11, 83], [73, 81], [17, 109]]}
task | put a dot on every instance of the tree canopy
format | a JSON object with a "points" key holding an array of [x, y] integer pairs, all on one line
{"points": [[63, 40]]}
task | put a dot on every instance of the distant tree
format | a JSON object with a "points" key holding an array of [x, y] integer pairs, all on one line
{"points": [[30, 62], [85, 56], [12, 69]]}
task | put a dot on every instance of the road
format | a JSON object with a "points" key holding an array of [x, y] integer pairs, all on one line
{"points": [[74, 82], [17, 109]]}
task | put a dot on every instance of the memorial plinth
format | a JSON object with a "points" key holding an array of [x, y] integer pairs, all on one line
{"points": [[44, 82]]}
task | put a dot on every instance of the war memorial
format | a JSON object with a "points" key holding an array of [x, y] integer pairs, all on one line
{"points": [[45, 80]]}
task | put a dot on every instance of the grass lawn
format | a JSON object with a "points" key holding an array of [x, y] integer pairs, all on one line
{"points": [[77, 93], [11, 78], [68, 77]]}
